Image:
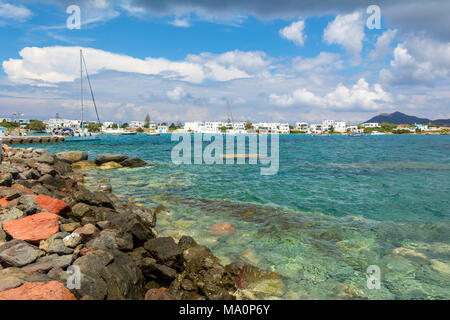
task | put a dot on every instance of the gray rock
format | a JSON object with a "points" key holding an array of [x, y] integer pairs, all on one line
{"points": [[107, 157], [57, 260], [62, 167], [11, 278], [134, 163], [98, 199], [19, 255], [6, 179], [81, 210], [94, 262], [7, 214], [44, 169], [72, 156], [165, 251], [186, 242], [72, 240], [46, 158]]}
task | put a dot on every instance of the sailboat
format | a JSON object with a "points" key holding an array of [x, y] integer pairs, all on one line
{"points": [[82, 133]]}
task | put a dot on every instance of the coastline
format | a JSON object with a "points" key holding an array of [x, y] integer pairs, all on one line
{"points": [[58, 224]]}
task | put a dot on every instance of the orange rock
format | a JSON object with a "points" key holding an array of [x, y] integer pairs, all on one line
{"points": [[222, 229], [3, 202], [51, 204], [52, 290], [158, 294], [6, 148], [22, 189], [33, 228]]}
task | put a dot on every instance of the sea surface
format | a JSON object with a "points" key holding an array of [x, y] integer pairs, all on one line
{"points": [[338, 205]]}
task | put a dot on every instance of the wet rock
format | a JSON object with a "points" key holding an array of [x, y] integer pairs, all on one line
{"points": [[110, 165], [186, 242], [52, 290], [18, 255], [158, 294], [208, 275], [133, 163], [87, 232], [348, 291], [6, 179], [165, 251], [109, 157], [82, 165], [222, 229], [33, 228], [51, 204], [72, 156]]}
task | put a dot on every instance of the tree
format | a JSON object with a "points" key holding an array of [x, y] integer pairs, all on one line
{"points": [[331, 129], [139, 130], [124, 126], [147, 121], [114, 126], [172, 126], [223, 129], [36, 125], [94, 127], [248, 125]]}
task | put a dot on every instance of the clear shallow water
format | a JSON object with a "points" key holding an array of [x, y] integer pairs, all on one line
{"points": [[337, 205]]}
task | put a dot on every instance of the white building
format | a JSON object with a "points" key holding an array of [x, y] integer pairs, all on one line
{"points": [[354, 129], [107, 125], [301, 126], [315, 129], [326, 124], [371, 125], [137, 124], [62, 123], [195, 127], [340, 127], [162, 129]]}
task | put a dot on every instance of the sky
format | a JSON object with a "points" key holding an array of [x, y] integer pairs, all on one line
{"points": [[265, 60]]}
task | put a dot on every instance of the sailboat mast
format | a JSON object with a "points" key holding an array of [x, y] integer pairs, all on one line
{"points": [[81, 84]]}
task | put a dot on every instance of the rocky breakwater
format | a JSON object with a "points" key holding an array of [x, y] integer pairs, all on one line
{"points": [[59, 240]]}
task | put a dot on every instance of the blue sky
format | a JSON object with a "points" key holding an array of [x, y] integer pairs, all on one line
{"points": [[273, 61]]}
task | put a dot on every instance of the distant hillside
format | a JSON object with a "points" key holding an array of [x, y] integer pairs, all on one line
{"points": [[401, 118]]}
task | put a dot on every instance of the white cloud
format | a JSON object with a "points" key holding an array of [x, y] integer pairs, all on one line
{"points": [[418, 60], [360, 97], [14, 12], [51, 65], [181, 22], [325, 61], [177, 94], [347, 31], [294, 32], [382, 47]]}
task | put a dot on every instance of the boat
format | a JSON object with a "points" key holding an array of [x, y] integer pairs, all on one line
{"points": [[376, 133], [354, 134], [153, 134], [128, 133], [80, 134]]}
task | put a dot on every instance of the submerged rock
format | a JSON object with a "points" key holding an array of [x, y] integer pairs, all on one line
{"points": [[133, 163], [110, 165], [109, 157], [85, 164], [222, 229]]}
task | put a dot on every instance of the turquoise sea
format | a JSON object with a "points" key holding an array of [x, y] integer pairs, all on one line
{"points": [[337, 205]]}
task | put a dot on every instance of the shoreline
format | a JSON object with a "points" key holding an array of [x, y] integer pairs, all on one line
{"points": [[47, 211]]}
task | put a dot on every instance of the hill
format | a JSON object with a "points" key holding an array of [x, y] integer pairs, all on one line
{"points": [[401, 118]]}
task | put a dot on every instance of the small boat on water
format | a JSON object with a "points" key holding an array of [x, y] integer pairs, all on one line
{"points": [[353, 134], [376, 133], [128, 133], [153, 134]]}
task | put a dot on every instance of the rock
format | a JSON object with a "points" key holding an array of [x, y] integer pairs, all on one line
{"points": [[56, 260], [158, 294], [105, 225], [19, 255], [22, 189], [70, 227], [72, 156], [165, 251], [52, 290], [7, 214], [147, 217], [62, 167], [97, 199], [94, 262], [108, 157], [6, 179], [9, 193], [13, 277], [87, 232], [86, 164], [222, 229], [110, 165], [133, 163], [27, 204], [411, 254], [3, 202], [186, 242], [104, 188], [33, 228], [441, 267], [348, 291], [51, 204], [46, 158], [133, 224], [159, 272], [46, 169], [81, 210], [72, 240]]}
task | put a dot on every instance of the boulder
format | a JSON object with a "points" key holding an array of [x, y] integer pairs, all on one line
{"points": [[158, 294], [27, 204], [46, 158], [81, 210], [87, 232], [62, 167], [7, 214], [94, 262], [53, 205], [33, 228], [9, 193], [72, 240], [6, 179], [56, 260], [186, 242], [165, 251], [70, 227], [98, 199], [86, 164], [22, 189], [147, 217], [13, 277], [46, 169], [52, 290], [133, 163], [19, 254], [108, 157], [72, 156], [110, 165]]}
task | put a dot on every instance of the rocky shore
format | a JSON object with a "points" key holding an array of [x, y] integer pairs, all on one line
{"points": [[59, 240]]}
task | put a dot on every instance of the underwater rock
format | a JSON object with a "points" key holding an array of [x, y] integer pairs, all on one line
{"points": [[110, 165], [348, 291], [82, 165], [221, 229]]}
